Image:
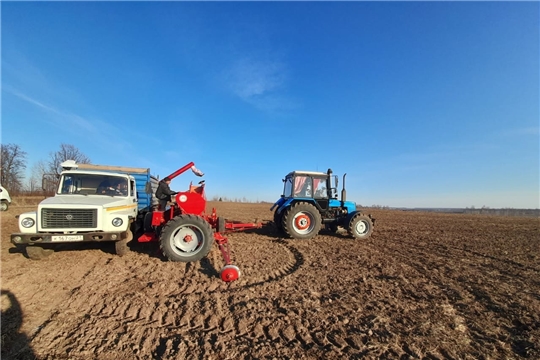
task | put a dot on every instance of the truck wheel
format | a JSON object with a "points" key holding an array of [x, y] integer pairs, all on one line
{"points": [[186, 238], [37, 252], [4, 205], [360, 226], [121, 246], [302, 221]]}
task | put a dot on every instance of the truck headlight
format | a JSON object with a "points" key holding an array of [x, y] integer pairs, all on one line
{"points": [[117, 222], [27, 222]]}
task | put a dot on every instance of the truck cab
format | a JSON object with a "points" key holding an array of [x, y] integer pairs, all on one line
{"points": [[91, 203]]}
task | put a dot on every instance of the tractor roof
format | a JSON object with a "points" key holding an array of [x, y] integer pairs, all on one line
{"points": [[299, 172]]}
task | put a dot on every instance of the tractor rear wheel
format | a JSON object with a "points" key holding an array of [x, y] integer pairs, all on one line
{"points": [[278, 221], [186, 238], [360, 226], [302, 221]]}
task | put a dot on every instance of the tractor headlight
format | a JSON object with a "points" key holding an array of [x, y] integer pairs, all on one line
{"points": [[117, 222], [27, 222]]}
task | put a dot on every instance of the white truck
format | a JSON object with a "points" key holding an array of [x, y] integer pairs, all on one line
{"points": [[92, 203], [5, 199]]}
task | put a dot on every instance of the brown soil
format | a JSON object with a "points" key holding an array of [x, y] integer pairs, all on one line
{"points": [[426, 285]]}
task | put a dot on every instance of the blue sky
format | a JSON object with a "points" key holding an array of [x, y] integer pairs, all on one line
{"points": [[422, 104]]}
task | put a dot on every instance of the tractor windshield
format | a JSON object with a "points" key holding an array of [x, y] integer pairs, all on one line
{"points": [[287, 190]]}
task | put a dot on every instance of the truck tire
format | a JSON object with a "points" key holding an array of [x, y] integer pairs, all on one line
{"points": [[121, 246], [302, 221], [360, 226], [186, 238], [37, 252], [4, 205]]}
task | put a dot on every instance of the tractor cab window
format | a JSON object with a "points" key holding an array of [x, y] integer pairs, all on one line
{"points": [[303, 186], [320, 188]]}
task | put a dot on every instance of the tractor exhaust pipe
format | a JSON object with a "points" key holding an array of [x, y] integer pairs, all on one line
{"points": [[343, 191]]}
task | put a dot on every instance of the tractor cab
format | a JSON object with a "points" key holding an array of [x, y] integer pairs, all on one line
{"points": [[310, 184]]}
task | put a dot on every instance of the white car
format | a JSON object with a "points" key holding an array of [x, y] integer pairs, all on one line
{"points": [[5, 199]]}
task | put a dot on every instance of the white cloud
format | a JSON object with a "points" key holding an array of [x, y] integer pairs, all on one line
{"points": [[251, 78], [260, 83]]}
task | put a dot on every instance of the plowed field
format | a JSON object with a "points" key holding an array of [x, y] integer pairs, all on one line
{"points": [[426, 285]]}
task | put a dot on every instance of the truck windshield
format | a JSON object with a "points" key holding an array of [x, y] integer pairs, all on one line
{"points": [[93, 184]]}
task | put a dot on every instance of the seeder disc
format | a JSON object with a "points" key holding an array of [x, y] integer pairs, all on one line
{"points": [[229, 273]]}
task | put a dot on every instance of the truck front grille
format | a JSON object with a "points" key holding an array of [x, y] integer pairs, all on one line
{"points": [[68, 218]]}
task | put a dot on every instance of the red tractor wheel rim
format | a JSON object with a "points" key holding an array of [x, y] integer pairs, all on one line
{"points": [[302, 222]]}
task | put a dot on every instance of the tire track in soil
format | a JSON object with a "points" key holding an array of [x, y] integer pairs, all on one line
{"points": [[511, 278], [147, 305], [466, 295], [294, 328], [95, 262]]}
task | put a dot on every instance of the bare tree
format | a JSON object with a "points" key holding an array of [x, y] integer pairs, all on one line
{"points": [[13, 163], [36, 175], [66, 152]]}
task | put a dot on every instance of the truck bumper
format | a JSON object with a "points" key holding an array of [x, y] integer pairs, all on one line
{"points": [[55, 238]]}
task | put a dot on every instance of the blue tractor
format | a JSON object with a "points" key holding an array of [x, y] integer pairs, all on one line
{"points": [[310, 202]]}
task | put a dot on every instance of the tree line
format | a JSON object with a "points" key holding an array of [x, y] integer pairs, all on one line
{"points": [[13, 165]]}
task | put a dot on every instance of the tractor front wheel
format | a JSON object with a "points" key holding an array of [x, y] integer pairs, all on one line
{"points": [[302, 221], [360, 226], [186, 238]]}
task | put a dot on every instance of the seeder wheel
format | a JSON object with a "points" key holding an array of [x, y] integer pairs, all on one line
{"points": [[229, 273]]}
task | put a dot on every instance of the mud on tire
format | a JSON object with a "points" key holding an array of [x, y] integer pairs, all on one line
{"points": [[302, 221], [186, 238]]}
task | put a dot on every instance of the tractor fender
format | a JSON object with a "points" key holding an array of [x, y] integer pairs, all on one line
{"points": [[291, 201], [283, 203], [278, 203], [352, 214]]}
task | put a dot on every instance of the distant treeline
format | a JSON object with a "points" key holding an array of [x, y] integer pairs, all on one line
{"points": [[504, 212], [472, 210]]}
